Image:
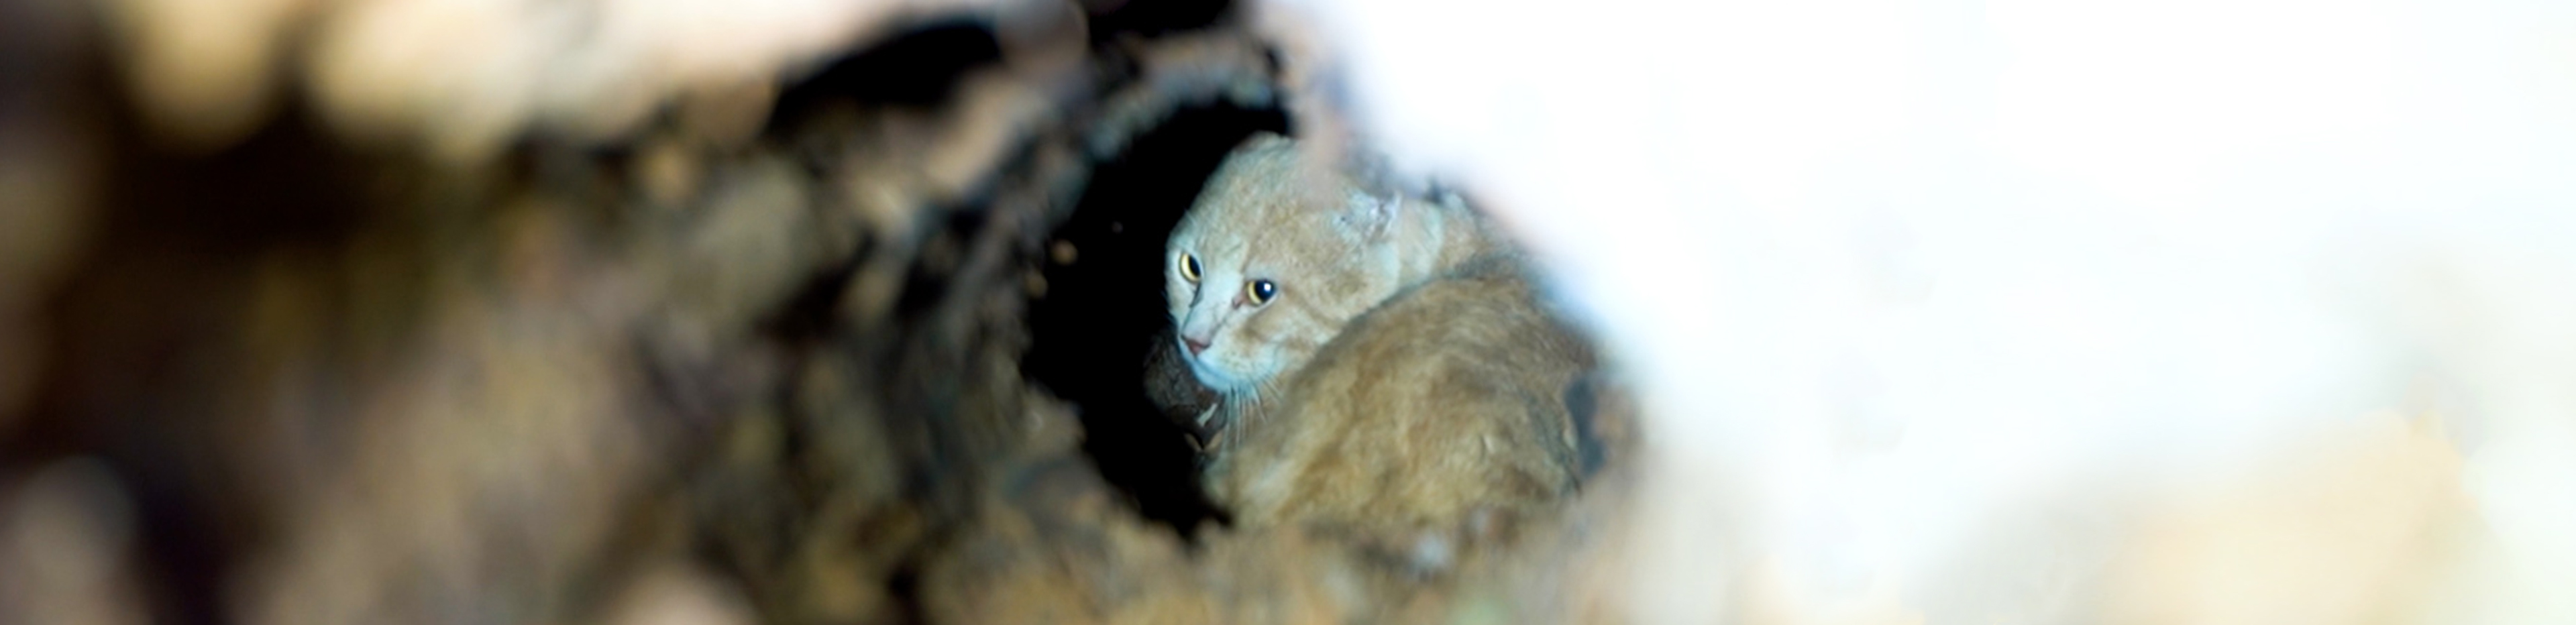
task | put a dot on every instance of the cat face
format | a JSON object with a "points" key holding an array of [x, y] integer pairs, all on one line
{"points": [[1275, 257]]}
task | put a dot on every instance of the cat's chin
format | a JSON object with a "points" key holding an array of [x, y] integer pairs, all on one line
{"points": [[1218, 380]]}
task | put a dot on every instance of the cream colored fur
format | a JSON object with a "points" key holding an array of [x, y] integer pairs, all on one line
{"points": [[1404, 379]]}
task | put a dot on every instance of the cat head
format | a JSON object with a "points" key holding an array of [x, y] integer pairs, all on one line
{"points": [[1275, 257]]}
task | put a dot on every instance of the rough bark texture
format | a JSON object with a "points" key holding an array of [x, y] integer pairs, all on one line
{"points": [[826, 347]]}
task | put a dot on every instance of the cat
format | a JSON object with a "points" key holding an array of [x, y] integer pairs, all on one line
{"points": [[1382, 364]]}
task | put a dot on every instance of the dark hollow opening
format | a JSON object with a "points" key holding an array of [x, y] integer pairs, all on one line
{"points": [[1101, 311], [919, 68], [1153, 18]]}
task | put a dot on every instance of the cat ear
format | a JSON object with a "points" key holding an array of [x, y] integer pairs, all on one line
{"points": [[1368, 215]]}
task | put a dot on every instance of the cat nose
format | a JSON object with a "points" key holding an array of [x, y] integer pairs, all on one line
{"points": [[1196, 345]]}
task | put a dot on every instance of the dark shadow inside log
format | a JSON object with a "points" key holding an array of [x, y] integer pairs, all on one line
{"points": [[1115, 19], [919, 68], [1102, 309]]}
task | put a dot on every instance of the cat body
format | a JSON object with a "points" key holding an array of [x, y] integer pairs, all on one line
{"points": [[1383, 365], [1443, 405]]}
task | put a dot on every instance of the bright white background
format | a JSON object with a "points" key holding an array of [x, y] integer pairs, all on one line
{"points": [[1896, 273]]}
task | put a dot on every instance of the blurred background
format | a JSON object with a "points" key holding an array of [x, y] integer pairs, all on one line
{"points": [[515, 312], [804, 311]]}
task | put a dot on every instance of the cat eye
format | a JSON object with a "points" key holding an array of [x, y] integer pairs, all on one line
{"points": [[1260, 291], [1190, 267]]}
